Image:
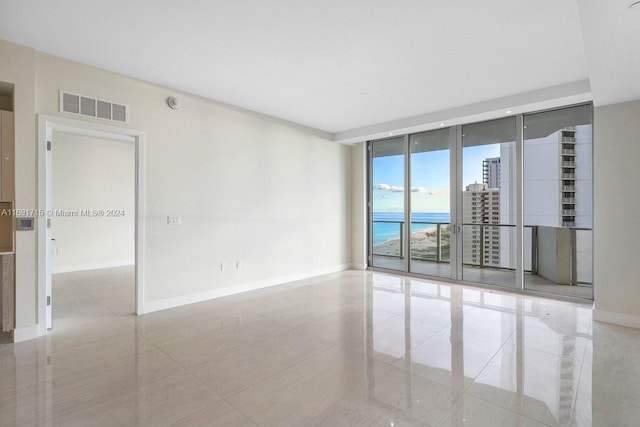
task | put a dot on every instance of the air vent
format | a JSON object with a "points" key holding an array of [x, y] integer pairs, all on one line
{"points": [[92, 107]]}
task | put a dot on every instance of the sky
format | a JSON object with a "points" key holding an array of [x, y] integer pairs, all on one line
{"points": [[429, 178]]}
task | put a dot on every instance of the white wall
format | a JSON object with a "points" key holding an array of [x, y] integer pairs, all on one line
{"points": [[90, 175], [269, 194], [617, 213], [273, 195]]}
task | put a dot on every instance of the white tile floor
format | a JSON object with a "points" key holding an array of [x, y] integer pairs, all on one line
{"points": [[352, 348]]}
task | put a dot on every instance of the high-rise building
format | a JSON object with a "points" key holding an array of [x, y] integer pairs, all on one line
{"points": [[568, 169], [491, 172], [481, 243]]}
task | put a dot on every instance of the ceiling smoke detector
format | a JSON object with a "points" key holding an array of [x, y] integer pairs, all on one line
{"points": [[173, 103]]}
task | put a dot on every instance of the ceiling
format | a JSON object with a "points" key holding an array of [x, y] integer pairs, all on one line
{"points": [[339, 65]]}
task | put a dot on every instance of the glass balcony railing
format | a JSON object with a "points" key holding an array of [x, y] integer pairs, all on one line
{"points": [[558, 255], [388, 238], [489, 245], [431, 241]]}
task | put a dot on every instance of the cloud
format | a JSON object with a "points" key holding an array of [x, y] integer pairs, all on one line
{"points": [[387, 187], [438, 192], [396, 189]]}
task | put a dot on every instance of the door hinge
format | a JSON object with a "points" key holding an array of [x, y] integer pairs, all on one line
{"points": [[48, 145], [48, 301]]}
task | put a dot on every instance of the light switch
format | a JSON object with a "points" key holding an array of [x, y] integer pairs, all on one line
{"points": [[174, 220]]}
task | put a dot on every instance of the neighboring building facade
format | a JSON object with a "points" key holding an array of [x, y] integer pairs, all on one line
{"points": [[491, 172], [481, 205]]}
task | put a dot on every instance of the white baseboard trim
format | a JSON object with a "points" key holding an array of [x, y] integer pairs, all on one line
{"points": [[164, 304], [92, 266], [25, 334], [358, 266], [621, 319]]}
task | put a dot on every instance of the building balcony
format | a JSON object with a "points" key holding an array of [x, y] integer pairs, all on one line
{"points": [[566, 164], [568, 176], [569, 188], [568, 152], [568, 212], [568, 200]]}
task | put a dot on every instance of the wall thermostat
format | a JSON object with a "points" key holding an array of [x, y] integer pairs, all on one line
{"points": [[24, 223]]}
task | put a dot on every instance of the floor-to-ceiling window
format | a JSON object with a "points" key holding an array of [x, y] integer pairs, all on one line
{"points": [[506, 202], [489, 202], [557, 168], [388, 204], [430, 203]]}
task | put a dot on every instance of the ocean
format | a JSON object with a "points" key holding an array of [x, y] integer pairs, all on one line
{"points": [[386, 225]]}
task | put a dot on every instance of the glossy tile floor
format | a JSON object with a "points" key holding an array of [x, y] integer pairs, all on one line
{"points": [[351, 348]]}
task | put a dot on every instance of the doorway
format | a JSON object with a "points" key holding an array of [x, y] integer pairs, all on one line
{"points": [[92, 224], [74, 137]]}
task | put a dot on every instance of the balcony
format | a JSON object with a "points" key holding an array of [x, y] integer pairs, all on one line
{"points": [[568, 212], [566, 164], [568, 176], [568, 152], [569, 188], [568, 201]]}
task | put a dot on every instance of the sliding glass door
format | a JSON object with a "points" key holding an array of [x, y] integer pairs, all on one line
{"points": [[387, 223], [489, 202], [505, 202], [430, 201], [558, 202]]}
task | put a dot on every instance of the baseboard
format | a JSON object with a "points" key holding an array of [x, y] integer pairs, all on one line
{"points": [[621, 319], [92, 266], [25, 334], [164, 304], [358, 266]]}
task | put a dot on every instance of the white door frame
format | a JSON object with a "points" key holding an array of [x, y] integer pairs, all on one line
{"points": [[46, 126]]}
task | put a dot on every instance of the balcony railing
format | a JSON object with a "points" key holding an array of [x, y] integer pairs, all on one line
{"points": [[568, 152], [568, 164], [393, 246], [435, 245], [569, 262], [568, 176]]}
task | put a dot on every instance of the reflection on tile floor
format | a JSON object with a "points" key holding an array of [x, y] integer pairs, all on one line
{"points": [[351, 348]]}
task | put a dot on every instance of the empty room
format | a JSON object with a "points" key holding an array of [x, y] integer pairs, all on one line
{"points": [[306, 213]]}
